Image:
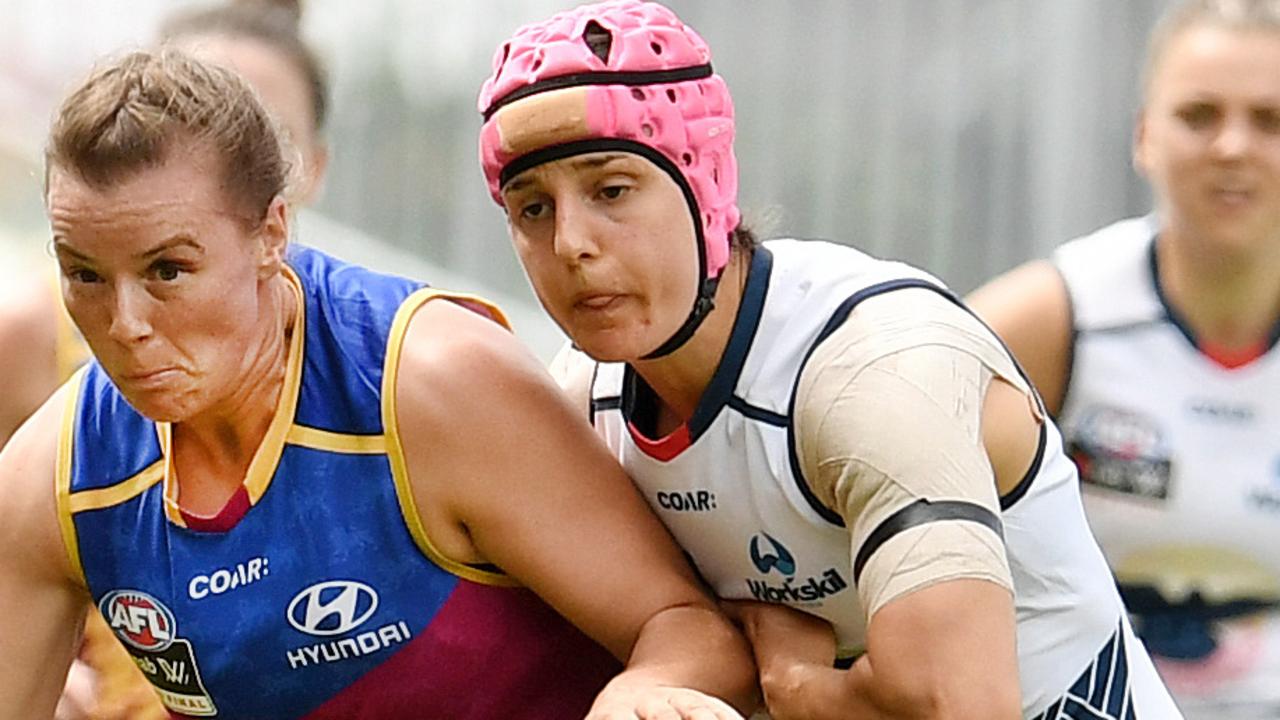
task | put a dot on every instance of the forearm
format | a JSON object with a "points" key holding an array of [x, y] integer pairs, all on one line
{"points": [[796, 690], [694, 647], [816, 692]]}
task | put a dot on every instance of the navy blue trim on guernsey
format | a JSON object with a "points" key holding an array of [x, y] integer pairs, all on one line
{"points": [[918, 513], [763, 415], [1008, 499], [1102, 692], [1175, 318], [719, 392], [613, 402], [1072, 339], [591, 387], [837, 318]]}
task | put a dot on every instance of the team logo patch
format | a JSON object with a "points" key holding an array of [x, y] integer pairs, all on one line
{"points": [[149, 631], [777, 557], [139, 619], [176, 678], [1122, 451], [333, 607], [767, 554]]}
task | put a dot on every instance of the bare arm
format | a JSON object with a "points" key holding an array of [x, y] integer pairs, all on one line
{"points": [[929, 655], [1029, 309], [506, 470], [41, 608], [894, 417]]}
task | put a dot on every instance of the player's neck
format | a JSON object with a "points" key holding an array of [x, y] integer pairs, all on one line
{"points": [[680, 379], [212, 451], [1228, 301]]}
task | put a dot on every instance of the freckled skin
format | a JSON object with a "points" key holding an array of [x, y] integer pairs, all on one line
{"points": [[168, 288]]}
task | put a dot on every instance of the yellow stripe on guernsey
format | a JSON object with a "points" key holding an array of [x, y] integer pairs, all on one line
{"points": [[395, 449], [62, 474], [316, 439]]}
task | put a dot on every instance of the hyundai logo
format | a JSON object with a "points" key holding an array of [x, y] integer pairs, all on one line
{"points": [[332, 607], [779, 558]]}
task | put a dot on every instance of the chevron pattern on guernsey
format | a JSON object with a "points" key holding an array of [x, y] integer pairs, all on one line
{"points": [[1102, 691]]}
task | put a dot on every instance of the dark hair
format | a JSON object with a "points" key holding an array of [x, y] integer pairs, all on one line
{"points": [[274, 24], [130, 115], [743, 238]]}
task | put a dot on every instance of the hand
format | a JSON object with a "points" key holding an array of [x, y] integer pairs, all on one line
{"points": [[782, 635], [78, 694], [656, 702]]}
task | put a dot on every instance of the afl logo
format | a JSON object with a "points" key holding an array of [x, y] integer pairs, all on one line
{"points": [[332, 607], [139, 619]]}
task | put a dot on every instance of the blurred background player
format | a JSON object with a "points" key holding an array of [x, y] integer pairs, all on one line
{"points": [[1153, 341]]}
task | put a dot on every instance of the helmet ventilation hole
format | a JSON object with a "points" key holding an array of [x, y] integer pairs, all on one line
{"points": [[647, 129], [637, 93], [657, 49], [671, 95], [687, 159], [598, 39]]}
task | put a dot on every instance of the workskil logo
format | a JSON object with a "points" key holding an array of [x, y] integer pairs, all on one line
{"points": [[767, 554], [139, 619], [332, 607], [778, 556]]}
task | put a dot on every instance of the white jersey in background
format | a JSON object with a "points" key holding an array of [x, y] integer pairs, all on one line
{"points": [[1180, 458], [728, 486]]}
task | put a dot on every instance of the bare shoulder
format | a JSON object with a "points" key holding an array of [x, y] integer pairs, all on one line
{"points": [[28, 350], [29, 515], [475, 409], [1030, 310], [455, 361], [42, 600]]}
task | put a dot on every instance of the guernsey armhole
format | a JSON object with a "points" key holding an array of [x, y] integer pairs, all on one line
{"points": [[484, 574]]}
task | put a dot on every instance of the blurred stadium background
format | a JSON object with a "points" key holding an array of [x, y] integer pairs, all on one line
{"points": [[961, 135]]}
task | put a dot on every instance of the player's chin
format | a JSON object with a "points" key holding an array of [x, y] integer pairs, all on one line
{"points": [[612, 344]]}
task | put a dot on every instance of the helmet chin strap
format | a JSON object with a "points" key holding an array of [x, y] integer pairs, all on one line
{"points": [[703, 304]]}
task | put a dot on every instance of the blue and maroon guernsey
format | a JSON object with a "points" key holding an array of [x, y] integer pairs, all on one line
{"points": [[324, 598]]}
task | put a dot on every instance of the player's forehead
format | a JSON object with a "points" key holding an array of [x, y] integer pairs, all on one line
{"points": [[578, 166]]}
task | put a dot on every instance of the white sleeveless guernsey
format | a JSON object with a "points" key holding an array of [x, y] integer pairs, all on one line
{"points": [[734, 498], [1180, 458]]}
